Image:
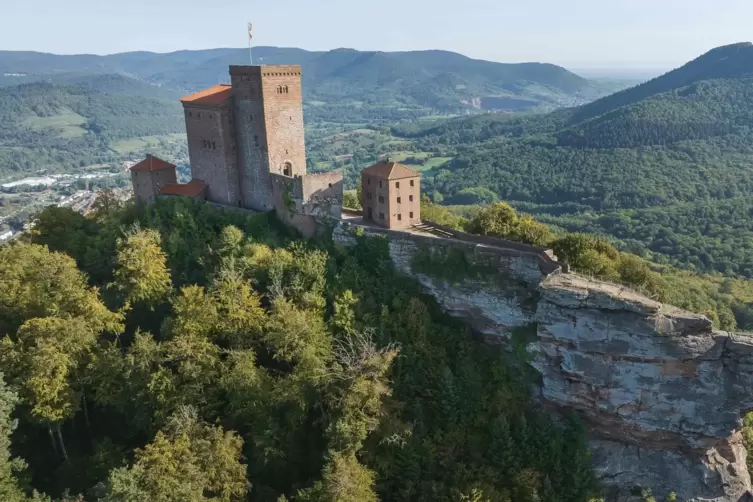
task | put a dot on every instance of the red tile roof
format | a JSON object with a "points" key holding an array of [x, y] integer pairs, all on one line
{"points": [[213, 96], [191, 189], [390, 170], [151, 164]]}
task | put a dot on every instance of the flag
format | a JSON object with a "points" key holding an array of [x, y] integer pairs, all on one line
{"points": [[249, 32]]}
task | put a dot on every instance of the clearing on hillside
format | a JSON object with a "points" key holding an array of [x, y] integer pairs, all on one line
{"points": [[67, 124]]}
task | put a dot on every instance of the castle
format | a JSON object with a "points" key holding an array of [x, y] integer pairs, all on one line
{"points": [[247, 150], [661, 390]]}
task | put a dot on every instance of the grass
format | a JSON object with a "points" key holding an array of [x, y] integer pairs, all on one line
{"points": [[67, 124], [130, 145], [431, 162]]}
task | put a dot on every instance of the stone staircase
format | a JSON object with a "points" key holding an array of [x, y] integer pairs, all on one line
{"points": [[428, 228]]}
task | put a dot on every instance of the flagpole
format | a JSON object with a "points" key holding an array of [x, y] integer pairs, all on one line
{"points": [[250, 54]]}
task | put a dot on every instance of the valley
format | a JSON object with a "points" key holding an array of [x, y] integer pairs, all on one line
{"points": [[59, 114], [558, 309]]}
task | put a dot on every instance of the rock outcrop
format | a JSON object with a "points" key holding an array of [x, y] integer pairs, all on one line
{"points": [[662, 391]]}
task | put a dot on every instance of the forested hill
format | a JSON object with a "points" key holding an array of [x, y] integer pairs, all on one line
{"points": [[181, 353], [726, 62], [684, 138], [438, 79], [45, 126]]}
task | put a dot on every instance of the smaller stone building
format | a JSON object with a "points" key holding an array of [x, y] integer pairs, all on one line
{"points": [[391, 195], [150, 176]]}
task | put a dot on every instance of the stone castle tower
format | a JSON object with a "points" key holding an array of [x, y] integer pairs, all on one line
{"points": [[269, 127], [239, 135]]}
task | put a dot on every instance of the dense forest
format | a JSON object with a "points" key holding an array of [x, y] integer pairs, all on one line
{"points": [[53, 127], [182, 353], [657, 168]]}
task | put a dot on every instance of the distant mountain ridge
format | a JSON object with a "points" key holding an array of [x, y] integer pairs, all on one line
{"points": [[729, 61], [438, 79]]}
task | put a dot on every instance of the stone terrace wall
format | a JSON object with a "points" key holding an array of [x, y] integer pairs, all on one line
{"points": [[322, 195], [288, 203], [548, 259], [304, 202], [493, 302], [529, 264]]}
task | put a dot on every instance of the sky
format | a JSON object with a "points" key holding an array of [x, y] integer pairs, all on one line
{"points": [[634, 34]]}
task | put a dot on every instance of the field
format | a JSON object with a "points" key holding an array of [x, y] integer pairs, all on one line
{"points": [[67, 124], [131, 145], [348, 151], [431, 162]]}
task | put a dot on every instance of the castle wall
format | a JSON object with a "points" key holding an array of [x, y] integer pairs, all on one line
{"points": [[303, 202], [212, 150], [287, 196], [322, 195], [524, 264]]}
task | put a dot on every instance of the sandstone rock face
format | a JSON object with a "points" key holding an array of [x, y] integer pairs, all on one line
{"points": [[661, 390], [663, 393]]}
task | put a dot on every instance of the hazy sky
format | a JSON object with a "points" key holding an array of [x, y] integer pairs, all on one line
{"points": [[574, 33]]}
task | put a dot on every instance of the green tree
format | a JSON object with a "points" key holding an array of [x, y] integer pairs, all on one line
{"points": [[352, 200], [141, 273], [299, 336], [40, 283], [10, 489], [344, 479], [498, 219], [241, 317], [46, 361], [187, 461]]}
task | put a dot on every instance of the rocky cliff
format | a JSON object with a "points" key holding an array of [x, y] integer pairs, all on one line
{"points": [[663, 393]]}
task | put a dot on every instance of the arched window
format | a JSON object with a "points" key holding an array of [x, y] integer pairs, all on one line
{"points": [[285, 89], [279, 89], [287, 169]]}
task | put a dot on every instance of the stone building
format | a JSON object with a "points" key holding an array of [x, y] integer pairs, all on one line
{"points": [[240, 134], [391, 195], [149, 176], [246, 148], [268, 109]]}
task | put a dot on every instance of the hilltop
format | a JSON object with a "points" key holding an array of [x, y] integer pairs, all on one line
{"points": [[679, 146]]}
